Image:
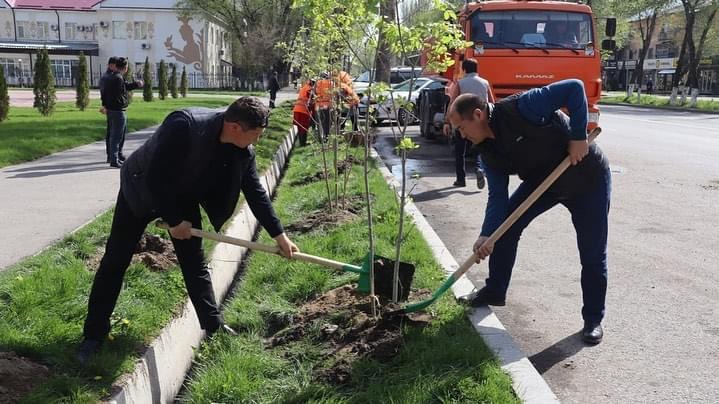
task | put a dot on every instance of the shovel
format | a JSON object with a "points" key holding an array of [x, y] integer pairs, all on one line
{"points": [[382, 278], [413, 307]]}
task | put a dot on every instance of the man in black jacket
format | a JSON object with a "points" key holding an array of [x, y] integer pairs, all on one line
{"points": [[115, 101], [103, 110], [197, 157]]}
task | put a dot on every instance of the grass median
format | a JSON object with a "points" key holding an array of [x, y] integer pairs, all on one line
{"points": [[446, 361], [660, 102], [26, 135], [43, 303]]}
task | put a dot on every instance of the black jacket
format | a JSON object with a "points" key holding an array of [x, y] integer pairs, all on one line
{"points": [[274, 85], [101, 85], [114, 92], [532, 151], [184, 164]]}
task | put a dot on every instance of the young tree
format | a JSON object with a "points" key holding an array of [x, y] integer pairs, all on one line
{"points": [[162, 80], [173, 82], [183, 83], [147, 78], [4, 97], [82, 93], [44, 84], [128, 76]]}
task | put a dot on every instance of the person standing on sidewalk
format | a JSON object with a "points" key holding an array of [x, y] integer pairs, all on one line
{"points": [[103, 110], [528, 135], [116, 89], [471, 83], [273, 87], [197, 157]]}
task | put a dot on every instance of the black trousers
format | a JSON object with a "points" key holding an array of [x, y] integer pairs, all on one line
{"points": [[126, 231], [273, 97]]}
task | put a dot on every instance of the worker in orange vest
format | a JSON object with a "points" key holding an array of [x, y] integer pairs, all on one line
{"points": [[303, 110]]}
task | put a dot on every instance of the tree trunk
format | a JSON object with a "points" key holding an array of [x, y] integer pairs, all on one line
{"points": [[383, 59], [647, 34]]}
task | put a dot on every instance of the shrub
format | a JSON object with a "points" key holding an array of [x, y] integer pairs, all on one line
{"points": [[162, 80], [147, 78], [82, 92], [44, 84], [183, 83], [4, 97]]}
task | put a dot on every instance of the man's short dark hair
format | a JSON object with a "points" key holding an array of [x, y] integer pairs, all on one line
{"points": [[469, 65], [112, 60], [249, 112], [465, 105], [120, 62]]}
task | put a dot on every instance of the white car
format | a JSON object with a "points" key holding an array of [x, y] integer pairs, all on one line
{"points": [[384, 111], [396, 75]]}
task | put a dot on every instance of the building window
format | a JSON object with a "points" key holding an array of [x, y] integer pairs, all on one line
{"points": [[70, 28], [140, 30], [43, 30], [118, 30], [23, 29]]}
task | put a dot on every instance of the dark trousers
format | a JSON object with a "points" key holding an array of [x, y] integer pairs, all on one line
{"points": [[124, 236], [118, 127], [589, 215], [460, 150], [273, 97], [107, 137], [324, 115]]}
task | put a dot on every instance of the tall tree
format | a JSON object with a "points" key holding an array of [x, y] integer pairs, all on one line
{"points": [[172, 81], [690, 53], [147, 78], [382, 65], [255, 26], [82, 92], [44, 84], [183, 83], [4, 97], [162, 80]]}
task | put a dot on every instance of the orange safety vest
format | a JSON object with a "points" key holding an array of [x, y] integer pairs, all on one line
{"points": [[303, 100]]}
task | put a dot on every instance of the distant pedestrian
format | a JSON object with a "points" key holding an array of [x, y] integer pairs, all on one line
{"points": [[471, 83], [103, 109], [197, 157], [115, 89], [650, 86], [273, 88]]}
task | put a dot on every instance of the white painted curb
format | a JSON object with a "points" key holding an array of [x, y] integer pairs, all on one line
{"points": [[160, 372], [529, 385]]}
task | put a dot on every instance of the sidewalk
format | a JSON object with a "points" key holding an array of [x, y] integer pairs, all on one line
{"points": [[43, 200]]}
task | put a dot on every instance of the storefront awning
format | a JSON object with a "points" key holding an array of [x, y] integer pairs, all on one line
{"points": [[666, 71], [53, 48]]}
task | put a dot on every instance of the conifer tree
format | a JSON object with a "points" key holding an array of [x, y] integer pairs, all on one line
{"points": [[4, 97], [128, 77], [82, 94], [147, 78], [173, 82], [44, 84], [162, 80], [183, 83]]}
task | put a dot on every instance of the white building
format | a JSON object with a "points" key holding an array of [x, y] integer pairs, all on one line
{"points": [[135, 29]]}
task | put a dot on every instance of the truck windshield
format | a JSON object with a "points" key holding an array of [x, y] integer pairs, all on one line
{"points": [[531, 29]]}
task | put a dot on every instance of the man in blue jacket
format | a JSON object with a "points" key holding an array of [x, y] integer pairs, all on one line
{"points": [[197, 157], [528, 135]]}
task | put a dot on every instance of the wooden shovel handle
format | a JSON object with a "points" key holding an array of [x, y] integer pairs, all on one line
{"points": [[509, 221], [262, 247]]}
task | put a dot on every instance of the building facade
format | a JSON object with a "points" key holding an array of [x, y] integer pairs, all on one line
{"points": [[662, 58], [138, 30]]}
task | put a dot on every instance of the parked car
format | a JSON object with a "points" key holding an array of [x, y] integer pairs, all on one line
{"points": [[384, 111], [396, 76]]}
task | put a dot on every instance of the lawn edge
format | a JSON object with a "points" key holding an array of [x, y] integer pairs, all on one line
{"points": [[527, 383], [160, 372], [660, 107]]}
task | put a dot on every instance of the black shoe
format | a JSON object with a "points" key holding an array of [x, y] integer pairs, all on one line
{"points": [[484, 298], [480, 180], [592, 333], [122, 158], [108, 159], [116, 164], [223, 329], [87, 349], [459, 184]]}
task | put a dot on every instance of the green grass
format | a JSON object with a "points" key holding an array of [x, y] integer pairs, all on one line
{"points": [[445, 362], [43, 303], [228, 93], [659, 102], [26, 135]]}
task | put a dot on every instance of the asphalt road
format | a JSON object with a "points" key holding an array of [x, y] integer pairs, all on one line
{"points": [[662, 324]]}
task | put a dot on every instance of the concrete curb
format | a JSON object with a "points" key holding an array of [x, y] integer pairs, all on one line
{"points": [[655, 108], [528, 384], [160, 372]]}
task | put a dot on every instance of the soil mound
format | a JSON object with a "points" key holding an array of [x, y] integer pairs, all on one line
{"points": [[18, 376], [340, 322], [155, 252]]}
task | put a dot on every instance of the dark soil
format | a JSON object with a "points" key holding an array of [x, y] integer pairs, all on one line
{"points": [[342, 166], [18, 376], [318, 176], [321, 219], [340, 322], [155, 252]]}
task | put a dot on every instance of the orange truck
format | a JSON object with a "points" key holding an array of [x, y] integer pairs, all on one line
{"points": [[521, 44]]}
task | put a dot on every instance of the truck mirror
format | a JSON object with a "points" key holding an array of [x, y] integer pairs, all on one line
{"points": [[609, 44], [611, 26]]}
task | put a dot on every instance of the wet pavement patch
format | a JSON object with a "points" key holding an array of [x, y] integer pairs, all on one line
{"points": [[18, 376], [339, 322]]}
